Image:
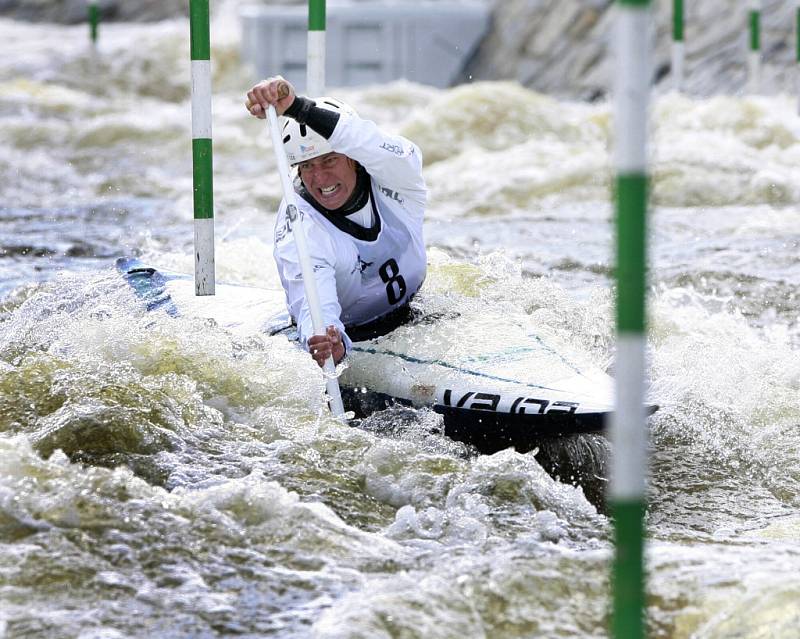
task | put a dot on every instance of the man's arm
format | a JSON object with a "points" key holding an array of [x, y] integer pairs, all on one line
{"points": [[391, 159], [321, 253]]}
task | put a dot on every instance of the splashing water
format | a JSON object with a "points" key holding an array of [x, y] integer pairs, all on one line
{"points": [[164, 476]]}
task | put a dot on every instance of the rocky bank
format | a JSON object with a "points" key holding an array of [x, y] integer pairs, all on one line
{"points": [[563, 47]]}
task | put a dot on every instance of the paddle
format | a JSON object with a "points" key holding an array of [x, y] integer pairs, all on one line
{"points": [[309, 281]]}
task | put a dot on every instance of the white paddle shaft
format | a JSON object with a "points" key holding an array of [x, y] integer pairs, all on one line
{"points": [[309, 281]]}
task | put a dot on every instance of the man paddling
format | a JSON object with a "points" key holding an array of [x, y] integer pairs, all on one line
{"points": [[363, 199]]}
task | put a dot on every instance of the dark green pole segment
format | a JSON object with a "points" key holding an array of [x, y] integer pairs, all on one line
{"points": [[631, 252], [677, 20], [634, 4], [316, 15], [797, 33], [199, 30], [94, 18], [628, 576], [755, 30], [203, 179]]}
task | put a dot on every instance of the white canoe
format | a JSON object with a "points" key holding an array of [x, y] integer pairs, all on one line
{"points": [[513, 394]]}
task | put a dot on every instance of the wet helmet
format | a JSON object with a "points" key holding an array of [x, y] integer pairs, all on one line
{"points": [[301, 143]]}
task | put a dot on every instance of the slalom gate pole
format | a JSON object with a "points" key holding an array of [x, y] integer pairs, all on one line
{"points": [[94, 19], [201, 148], [306, 267], [754, 54], [627, 498], [315, 69], [797, 47], [678, 53]]}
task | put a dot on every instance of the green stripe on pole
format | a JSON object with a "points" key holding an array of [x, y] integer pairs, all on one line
{"points": [[94, 18], [634, 3], [677, 20], [203, 180], [316, 15], [631, 267], [797, 33], [755, 31], [199, 29], [628, 575]]}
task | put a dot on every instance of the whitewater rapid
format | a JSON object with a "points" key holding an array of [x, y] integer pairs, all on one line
{"points": [[162, 476]]}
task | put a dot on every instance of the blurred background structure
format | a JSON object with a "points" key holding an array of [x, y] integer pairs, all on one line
{"points": [[368, 42], [559, 47]]}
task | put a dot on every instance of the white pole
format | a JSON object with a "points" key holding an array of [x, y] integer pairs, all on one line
{"points": [[627, 487], [309, 281], [315, 70], [678, 58]]}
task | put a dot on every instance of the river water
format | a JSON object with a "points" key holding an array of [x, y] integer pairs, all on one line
{"points": [[161, 476]]}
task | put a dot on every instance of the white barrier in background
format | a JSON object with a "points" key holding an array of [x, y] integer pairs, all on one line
{"points": [[367, 42]]}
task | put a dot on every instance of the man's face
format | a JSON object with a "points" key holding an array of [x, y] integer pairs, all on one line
{"points": [[330, 179]]}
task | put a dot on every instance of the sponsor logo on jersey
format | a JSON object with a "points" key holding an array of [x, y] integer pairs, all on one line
{"points": [[290, 216], [359, 266], [392, 194], [298, 275], [281, 232], [392, 148]]}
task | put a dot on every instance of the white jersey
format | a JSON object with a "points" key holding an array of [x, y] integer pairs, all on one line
{"points": [[362, 273]]}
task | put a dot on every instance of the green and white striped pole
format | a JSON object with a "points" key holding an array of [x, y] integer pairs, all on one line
{"points": [[677, 45], [754, 54], [201, 148], [315, 68], [94, 18], [627, 497]]}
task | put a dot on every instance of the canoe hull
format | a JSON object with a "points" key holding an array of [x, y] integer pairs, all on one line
{"points": [[516, 395]]}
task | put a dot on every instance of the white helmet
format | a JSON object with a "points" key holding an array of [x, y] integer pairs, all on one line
{"points": [[301, 143]]}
